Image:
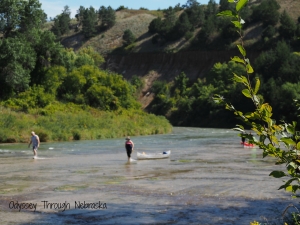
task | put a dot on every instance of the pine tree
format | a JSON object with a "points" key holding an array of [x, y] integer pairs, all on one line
{"points": [[288, 26], [183, 24], [89, 22], [107, 17], [62, 22], [79, 15]]}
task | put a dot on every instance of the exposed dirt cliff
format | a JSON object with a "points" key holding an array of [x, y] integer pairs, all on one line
{"points": [[193, 63]]}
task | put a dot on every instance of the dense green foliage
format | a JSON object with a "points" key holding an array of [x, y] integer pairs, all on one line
{"points": [[128, 37], [277, 66], [21, 16], [187, 103], [64, 122], [59, 92]]}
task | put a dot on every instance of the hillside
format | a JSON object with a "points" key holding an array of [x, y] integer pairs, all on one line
{"points": [[165, 61], [138, 21]]}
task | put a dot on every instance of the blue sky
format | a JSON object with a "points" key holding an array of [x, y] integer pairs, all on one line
{"points": [[54, 7]]}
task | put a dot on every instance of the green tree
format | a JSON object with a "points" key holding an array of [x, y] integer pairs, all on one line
{"points": [[89, 22], [268, 32], [17, 63], [107, 16], [97, 58], [53, 78], [102, 97], [269, 63], [121, 7], [181, 82], [80, 14], [195, 13], [128, 37], [211, 9], [267, 12], [155, 25], [169, 22], [62, 22], [183, 25], [18, 15], [32, 15], [47, 50], [71, 88], [225, 5], [288, 27]]}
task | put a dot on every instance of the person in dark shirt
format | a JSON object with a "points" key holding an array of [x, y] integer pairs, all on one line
{"points": [[129, 145]]}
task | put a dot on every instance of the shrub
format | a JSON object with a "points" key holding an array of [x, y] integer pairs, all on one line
{"points": [[128, 37]]}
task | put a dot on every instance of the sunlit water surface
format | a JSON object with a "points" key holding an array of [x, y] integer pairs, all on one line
{"points": [[209, 179]]}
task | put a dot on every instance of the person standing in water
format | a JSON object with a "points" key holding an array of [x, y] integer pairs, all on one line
{"points": [[35, 141], [243, 138], [129, 145]]}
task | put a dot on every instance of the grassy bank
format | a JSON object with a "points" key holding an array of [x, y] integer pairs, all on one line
{"points": [[74, 123]]}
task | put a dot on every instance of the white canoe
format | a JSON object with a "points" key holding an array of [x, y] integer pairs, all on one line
{"points": [[162, 155]]}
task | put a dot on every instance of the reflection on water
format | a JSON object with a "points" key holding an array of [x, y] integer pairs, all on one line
{"points": [[209, 178]]}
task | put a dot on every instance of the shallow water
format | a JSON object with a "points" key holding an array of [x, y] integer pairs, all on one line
{"points": [[209, 179]]}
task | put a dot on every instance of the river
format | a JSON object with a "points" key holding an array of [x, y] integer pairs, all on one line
{"points": [[208, 179]]}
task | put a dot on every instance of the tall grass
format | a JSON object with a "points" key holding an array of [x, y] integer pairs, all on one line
{"points": [[79, 124]]}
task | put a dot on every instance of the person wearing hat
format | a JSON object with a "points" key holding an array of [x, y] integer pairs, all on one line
{"points": [[35, 141], [129, 145]]}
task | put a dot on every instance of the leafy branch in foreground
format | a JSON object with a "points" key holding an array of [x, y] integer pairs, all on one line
{"points": [[281, 141]]}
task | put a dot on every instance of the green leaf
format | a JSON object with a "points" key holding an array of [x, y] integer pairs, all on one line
{"points": [[249, 68], [239, 79], [241, 4], [257, 85], [242, 50], [246, 92], [262, 138], [292, 188], [290, 129], [294, 165], [226, 13], [237, 59], [237, 24], [298, 146], [265, 154], [287, 141], [277, 174]]}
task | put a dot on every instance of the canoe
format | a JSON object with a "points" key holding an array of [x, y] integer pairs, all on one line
{"points": [[162, 155], [248, 145]]}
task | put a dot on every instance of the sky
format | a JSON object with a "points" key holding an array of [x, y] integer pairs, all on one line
{"points": [[54, 7]]}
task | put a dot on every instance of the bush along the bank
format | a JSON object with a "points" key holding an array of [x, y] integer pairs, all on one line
{"points": [[65, 122]]}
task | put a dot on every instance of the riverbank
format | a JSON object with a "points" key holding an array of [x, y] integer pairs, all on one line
{"points": [[74, 123]]}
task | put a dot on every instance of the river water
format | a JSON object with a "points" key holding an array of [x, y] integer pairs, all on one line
{"points": [[209, 179]]}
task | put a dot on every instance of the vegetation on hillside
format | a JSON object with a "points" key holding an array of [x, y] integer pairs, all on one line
{"points": [[188, 103], [60, 90]]}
